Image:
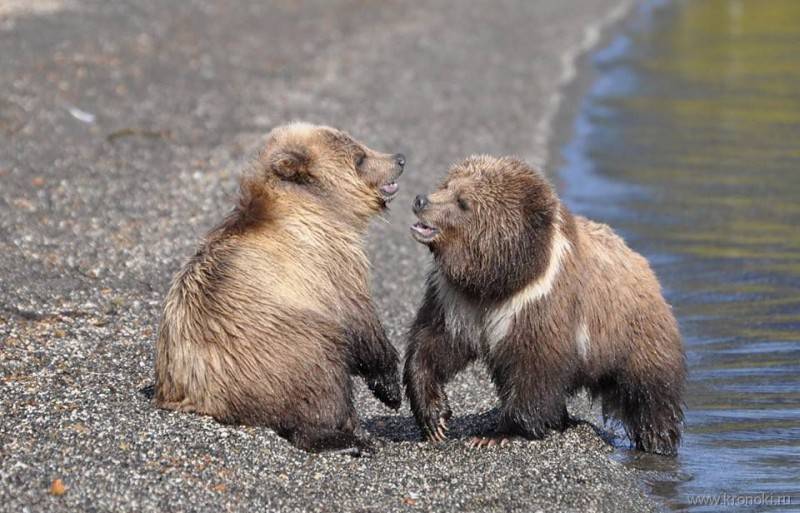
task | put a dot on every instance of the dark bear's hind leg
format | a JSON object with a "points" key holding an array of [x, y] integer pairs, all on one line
{"points": [[651, 412]]}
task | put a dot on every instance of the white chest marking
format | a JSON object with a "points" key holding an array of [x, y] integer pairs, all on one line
{"points": [[462, 318], [482, 326]]}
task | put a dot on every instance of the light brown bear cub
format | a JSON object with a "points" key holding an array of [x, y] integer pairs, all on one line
{"points": [[267, 321], [551, 302]]}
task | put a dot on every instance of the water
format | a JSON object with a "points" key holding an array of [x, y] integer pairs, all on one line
{"points": [[688, 143]]}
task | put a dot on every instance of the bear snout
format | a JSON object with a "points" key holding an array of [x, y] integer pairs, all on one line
{"points": [[400, 160], [420, 202]]}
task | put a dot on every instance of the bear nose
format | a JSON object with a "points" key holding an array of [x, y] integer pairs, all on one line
{"points": [[419, 203], [400, 159]]}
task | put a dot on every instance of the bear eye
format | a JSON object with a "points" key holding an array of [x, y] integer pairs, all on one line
{"points": [[360, 159], [462, 203]]}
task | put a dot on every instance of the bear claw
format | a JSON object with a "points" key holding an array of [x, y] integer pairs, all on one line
{"points": [[479, 442]]}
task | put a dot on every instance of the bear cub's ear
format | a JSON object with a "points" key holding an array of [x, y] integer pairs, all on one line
{"points": [[292, 165]]}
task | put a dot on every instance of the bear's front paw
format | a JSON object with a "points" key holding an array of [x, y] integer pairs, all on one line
{"points": [[386, 387], [433, 421]]}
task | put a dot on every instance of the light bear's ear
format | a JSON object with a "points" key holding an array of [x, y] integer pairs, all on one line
{"points": [[292, 165]]}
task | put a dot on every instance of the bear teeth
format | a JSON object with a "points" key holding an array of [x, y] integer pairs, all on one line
{"points": [[389, 189]]}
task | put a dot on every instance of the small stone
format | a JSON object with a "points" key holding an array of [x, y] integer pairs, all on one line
{"points": [[57, 488], [408, 501], [23, 204], [79, 428]]}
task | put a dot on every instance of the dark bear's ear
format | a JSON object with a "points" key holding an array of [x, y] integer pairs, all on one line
{"points": [[539, 210], [291, 165]]}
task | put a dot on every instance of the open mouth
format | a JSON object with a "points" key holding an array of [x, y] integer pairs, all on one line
{"points": [[423, 232], [389, 190]]}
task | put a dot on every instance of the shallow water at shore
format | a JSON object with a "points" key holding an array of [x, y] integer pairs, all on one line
{"points": [[688, 143]]}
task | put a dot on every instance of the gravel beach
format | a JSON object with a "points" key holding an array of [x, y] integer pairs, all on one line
{"points": [[123, 126]]}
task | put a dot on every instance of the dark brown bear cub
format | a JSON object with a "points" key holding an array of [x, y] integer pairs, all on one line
{"points": [[549, 301], [268, 320]]}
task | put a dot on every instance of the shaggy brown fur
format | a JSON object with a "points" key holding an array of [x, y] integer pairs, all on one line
{"points": [[551, 302], [268, 320]]}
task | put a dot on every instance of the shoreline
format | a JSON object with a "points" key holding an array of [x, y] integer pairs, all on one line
{"points": [[562, 125], [574, 82]]}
